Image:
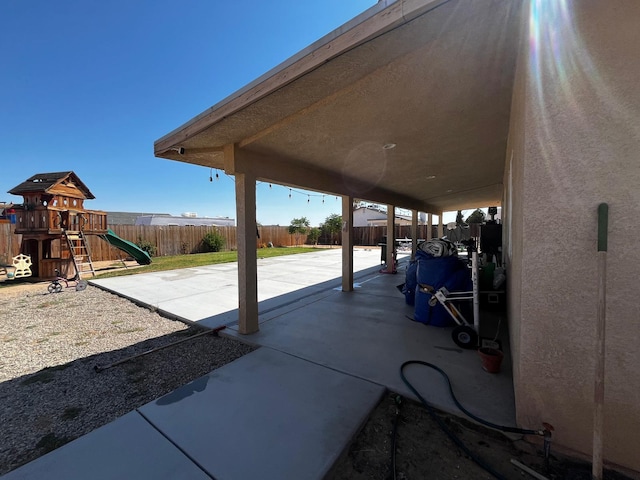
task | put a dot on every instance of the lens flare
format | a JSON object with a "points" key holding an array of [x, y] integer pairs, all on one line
{"points": [[568, 85]]}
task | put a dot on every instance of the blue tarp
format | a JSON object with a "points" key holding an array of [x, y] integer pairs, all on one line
{"points": [[449, 272], [410, 283]]}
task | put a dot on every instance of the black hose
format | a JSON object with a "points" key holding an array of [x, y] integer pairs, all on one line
{"points": [[478, 460], [523, 431], [394, 436]]}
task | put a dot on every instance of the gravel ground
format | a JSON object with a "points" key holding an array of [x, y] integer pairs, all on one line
{"points": [[49, 391]]}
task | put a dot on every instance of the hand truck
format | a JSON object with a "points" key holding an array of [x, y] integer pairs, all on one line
{"points": [[465, 335]]}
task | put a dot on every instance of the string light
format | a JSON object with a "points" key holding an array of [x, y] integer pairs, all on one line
{"points": [[293, 190]]}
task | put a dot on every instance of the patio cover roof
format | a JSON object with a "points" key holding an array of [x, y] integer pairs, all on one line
{"points": [[433, 77]]}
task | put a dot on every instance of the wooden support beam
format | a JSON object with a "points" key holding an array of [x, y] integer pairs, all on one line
{"points": [[229, 152], [347, 244], [414, 233], [247, 254], [391, 239]]}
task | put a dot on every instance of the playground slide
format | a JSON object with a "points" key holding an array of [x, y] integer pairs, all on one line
{"points": [[132, 249]]}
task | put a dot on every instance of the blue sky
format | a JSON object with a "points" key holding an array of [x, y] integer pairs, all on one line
{"points": [[89, 86]]}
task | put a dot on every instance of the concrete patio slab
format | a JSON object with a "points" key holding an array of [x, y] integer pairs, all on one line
{"points": [[126, 448], [209, 295], [267, 415], [368, 333]]}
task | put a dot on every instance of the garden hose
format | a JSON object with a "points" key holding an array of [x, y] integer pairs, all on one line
{"points": [[546, 432], [394, 436]]}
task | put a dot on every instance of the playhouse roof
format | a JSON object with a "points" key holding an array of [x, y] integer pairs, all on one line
{"points": [[45, 182]]}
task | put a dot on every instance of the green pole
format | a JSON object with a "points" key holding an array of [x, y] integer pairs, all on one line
{"points": [[598, 398], [603, 225]]}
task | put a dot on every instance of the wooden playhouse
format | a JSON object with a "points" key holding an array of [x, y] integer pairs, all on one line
{"points": [[54, 223]]}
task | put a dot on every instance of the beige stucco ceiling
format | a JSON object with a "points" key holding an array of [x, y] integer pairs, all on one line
{"points": [[433, 77]]}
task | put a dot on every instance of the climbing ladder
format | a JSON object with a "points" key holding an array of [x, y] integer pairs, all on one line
{"points": [[80, 253]]}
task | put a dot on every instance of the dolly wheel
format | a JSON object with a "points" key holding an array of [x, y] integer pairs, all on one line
{"points": [[82, 285], [465, 336]]}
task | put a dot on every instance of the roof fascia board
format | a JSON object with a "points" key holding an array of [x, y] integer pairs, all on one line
{"points": [[375, 21]]}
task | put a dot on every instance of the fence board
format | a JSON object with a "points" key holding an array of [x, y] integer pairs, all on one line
{"points": [[178, 240], [9, 242]]}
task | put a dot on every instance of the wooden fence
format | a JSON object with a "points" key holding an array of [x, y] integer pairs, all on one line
{"points": [[9, 243], [177, 240]]}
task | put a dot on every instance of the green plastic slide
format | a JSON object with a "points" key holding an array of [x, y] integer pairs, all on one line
{"points": [[140, 256]]}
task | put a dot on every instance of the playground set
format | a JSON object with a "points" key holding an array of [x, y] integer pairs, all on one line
{"points": [[54, 225]]}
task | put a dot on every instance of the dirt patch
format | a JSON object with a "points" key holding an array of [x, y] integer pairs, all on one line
{"points": [[423, 450]]}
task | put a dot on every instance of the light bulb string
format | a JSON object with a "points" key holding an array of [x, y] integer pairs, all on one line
{"points": [[291, 190]]}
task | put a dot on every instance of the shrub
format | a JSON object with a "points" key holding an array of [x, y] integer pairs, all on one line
{"points": [[147, 246], [313, 235], [213, 241], [299, 226]]}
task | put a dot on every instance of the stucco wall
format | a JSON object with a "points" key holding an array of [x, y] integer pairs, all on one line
{"points": [[575, 142], [513, 219]]}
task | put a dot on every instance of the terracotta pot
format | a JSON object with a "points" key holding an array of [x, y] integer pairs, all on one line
{"points": [[491, 359]]}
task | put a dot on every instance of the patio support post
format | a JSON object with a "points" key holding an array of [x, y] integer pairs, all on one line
{"points": [[347, 243], [391, 237], [414, 233], [247, 254], [429, 227]]}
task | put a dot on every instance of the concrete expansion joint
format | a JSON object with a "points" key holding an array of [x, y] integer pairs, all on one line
{"points": [[175, 444], [328, 367]]}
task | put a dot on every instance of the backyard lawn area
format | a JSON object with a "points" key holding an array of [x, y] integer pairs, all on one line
{"points": [[160, 264]]}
